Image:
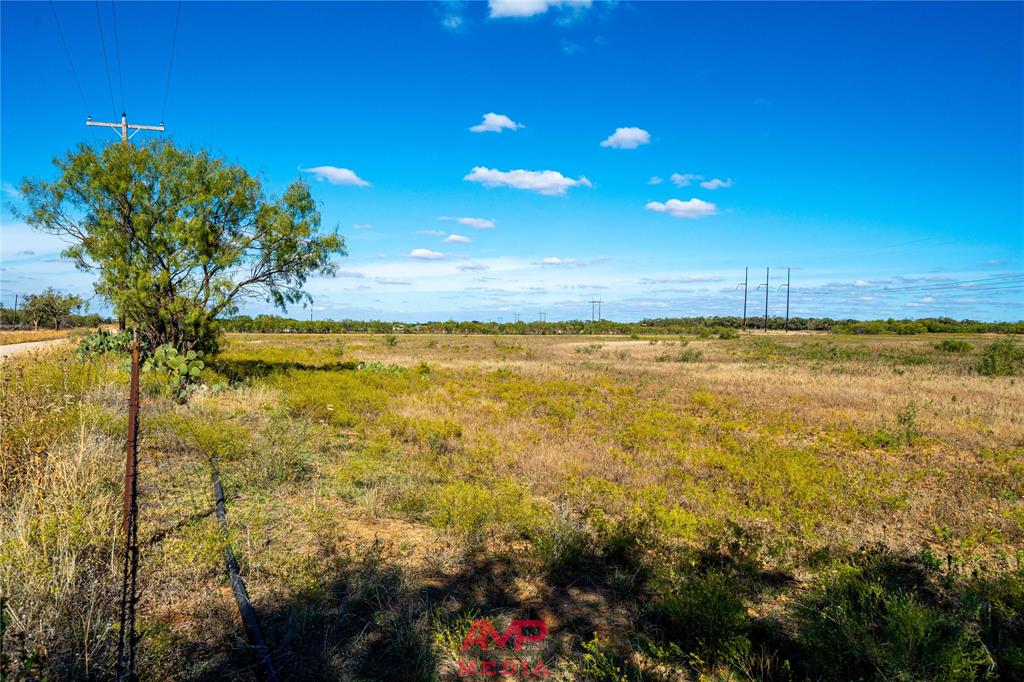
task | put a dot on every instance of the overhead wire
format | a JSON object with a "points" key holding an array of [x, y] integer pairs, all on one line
{"points": [[106, 63], [71, 63], [117, 48], [170, 63]]}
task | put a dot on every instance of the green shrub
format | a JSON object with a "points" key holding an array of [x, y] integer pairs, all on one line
{"points": [[706, 617], [728, 333], [1001, 358], [686, 355], [856, 627], [953, 346], [390, 340], [997, 603]]}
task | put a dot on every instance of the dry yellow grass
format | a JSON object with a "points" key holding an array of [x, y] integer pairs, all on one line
{"points": [[8, 337], [376, 510]]}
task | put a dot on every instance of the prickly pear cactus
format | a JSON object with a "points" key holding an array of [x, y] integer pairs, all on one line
{"points": [[182, 369]]}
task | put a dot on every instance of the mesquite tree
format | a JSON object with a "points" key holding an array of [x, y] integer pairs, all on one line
{"points": [[178, 237]]}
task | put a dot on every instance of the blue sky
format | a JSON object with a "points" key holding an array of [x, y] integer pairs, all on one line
{"points": [[876, 149]]}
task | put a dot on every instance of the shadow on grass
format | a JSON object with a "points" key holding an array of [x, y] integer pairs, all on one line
{"points": [[365, 622], [245, 370]]}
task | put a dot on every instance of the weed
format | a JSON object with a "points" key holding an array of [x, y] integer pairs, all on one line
{"points": [[390, 341], [600, 663]]}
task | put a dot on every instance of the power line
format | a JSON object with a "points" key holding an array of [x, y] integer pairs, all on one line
{"points": [[67, 53], [106, 64], [170, 63], [117, 46]]}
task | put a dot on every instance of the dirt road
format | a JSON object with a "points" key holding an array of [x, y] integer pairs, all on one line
{"points": [[16, 348]]}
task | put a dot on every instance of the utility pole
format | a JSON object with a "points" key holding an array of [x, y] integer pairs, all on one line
{"points": [[766, 272], [16, 320], [543, 317], [595, 310], [746, 274], [786, 285], [516, 316], [124, 127], [599, 310]]}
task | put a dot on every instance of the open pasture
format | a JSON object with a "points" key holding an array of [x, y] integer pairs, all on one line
{"points": [[671, 507]]}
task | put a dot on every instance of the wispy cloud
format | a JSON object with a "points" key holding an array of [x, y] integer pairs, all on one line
{"points": [[11, 191], [362, 226], [692, 208], [495, 123], [456, 239], [655, 180], [432, 233], [475, 223], [555, 261], [684, 279], [336, 176], [716, 184], [472, 267], [528, 8], [627, 138], [684, 179], [427, 254], [549, 182]]}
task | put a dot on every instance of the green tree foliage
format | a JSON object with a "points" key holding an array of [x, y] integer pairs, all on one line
{"points": [[50, 308], [178, 237]]}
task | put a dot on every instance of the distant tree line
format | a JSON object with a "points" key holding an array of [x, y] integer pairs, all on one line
{"points": [[679, 325], [49, 309]]}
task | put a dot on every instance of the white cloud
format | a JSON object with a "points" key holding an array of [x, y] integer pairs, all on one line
{"points": [[551, 183], [432, 233], [627, 138], [861, 283], [456, 239], [362, 226], [692, 208], [495, 123], [655, 180], [452, 22], [471, 267], [716, 184], [529, 8], [475, 223], [555, 261], [11, 191], [427, 254], [336, 176], [684, 179]]}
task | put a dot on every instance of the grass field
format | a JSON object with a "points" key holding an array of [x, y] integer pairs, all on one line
{"points": [[767, 507], [24, 336]]}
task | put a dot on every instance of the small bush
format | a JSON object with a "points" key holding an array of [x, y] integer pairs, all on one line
{"points": [[856, 627], [953, 346], [728, 333], [1001, 358], [706, 617], [390, 340], [687, 355]]}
